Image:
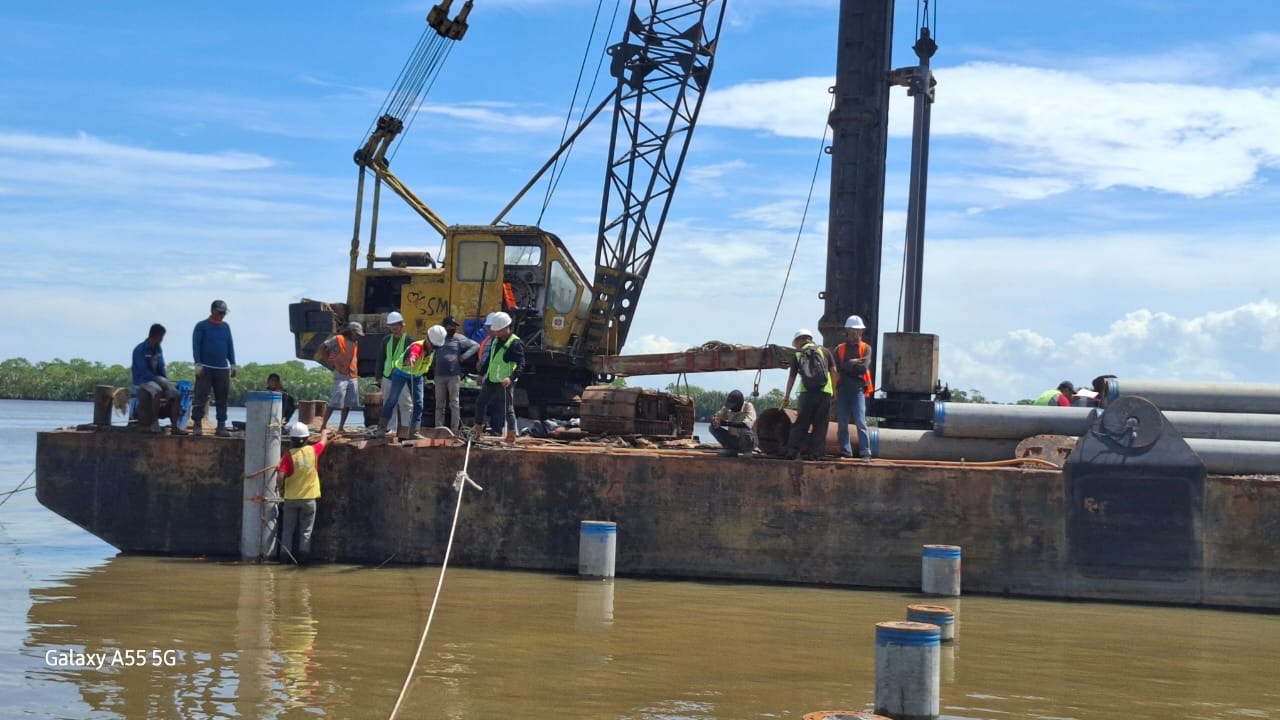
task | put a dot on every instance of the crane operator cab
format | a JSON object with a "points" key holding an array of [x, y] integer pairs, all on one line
{"points": [[521, 270]]}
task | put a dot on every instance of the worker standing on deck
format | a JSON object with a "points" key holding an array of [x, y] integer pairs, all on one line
{"points": [[1059, 397], [482, 363], [341, 354], [853, 387], [388, 355], [215, 361], [815, 367], [155, 393], [415, 362], [298, 482], [502, 371], [455, 350], [733, 426]]}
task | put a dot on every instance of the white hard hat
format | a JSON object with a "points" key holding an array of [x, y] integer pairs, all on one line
{"points": [[500, 321], [299, 430], [855, 323], [802, 332], [488, 319], [436, 335], [394, 317]]}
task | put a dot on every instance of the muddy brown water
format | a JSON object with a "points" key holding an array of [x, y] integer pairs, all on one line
{"points": [[203, 639]]}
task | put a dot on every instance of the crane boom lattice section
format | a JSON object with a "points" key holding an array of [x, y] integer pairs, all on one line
{"points": [[662, 67]]}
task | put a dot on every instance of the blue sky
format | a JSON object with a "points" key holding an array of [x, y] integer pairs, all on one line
{"points": [[1102, 184]]}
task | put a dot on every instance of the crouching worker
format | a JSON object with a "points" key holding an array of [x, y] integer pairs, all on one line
{"points": [[157, 397], [298, 482], [733, 426]]}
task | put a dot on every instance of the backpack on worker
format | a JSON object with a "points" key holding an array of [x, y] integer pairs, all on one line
{"points": [[812, 367]]}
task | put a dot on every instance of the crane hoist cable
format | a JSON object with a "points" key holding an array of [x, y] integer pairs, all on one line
{"points": [[557, 170], [822, 150]]}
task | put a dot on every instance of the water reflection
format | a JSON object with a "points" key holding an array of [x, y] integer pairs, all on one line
{"points": [[287, 642]]}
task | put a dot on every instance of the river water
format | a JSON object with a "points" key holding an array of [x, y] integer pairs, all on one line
{"points": [[199, 639]]}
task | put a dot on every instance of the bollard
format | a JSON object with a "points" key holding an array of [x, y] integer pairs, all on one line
{"points": [[306, 412], [842, 715], [102, 397], [261, 449], [907, 670], [597, 545], [943, 617], [940, 570]]}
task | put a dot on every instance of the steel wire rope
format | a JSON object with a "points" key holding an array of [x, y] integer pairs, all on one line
{"points": [[460, 482], [902, 278], [562, 163], [441, 54], [822, 149], [19, 488]]}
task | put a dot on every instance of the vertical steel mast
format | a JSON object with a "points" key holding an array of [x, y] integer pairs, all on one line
{"points": [[859, 125]]}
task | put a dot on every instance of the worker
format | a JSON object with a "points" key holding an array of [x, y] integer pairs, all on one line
{"points": [[215, 361], [298, 482], [287, 403], [341, 354], [156, 395], [1059, 397], [496, 410], [733, 426], [389, 353], [502, 371], [455, 350], [815, 367], [412, 365], [853, 387]]}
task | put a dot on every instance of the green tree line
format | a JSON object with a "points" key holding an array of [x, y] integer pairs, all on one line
{"points": [[75, 379]]}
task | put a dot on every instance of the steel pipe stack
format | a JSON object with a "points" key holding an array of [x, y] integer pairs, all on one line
{"points": [[1198, 396]]}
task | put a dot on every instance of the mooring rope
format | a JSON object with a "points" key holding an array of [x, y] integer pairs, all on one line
{"points": [[18, 489], [460, 481]]}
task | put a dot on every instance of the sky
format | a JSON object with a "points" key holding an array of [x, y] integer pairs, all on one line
{"points": [[1102, 194]]}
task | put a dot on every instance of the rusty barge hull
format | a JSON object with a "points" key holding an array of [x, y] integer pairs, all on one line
{"points": [[690, 514]]}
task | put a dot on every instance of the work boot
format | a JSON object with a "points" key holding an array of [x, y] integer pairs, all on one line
{"points": [[381, 430], [414, 434], [222, 431], [197, 427]]}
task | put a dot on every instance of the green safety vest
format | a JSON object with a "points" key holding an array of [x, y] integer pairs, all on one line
{"points": [[500, 368], [828, 389], [395, 348], [1047, 397], [417, 367]]}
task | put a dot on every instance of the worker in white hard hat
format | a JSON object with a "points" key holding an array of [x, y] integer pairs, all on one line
{"points": [[409, 369], [389, 353], [496, 411], [816, 368], [853, 387], [502, 370], [298, 482]]}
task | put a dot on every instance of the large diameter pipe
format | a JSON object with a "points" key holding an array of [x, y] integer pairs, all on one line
{"points": [[1237, 457], [1198, 396], [973, 420], [978, 420], [773, 427]]}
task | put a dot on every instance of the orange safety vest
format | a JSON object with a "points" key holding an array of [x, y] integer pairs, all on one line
{"points": [[508, 297], [347, 356], [841, 349]]}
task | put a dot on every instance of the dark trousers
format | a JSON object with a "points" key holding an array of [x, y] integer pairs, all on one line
{"points": [[744, 441], [493, 402], [220, 382], [809, 433]]}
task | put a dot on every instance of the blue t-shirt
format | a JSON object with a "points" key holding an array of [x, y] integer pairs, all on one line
{"points": [[148, 363], [211, 345]]}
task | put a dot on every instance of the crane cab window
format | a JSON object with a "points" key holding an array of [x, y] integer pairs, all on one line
{"points": [[522, 255], [562, 290], [472, 258]]}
